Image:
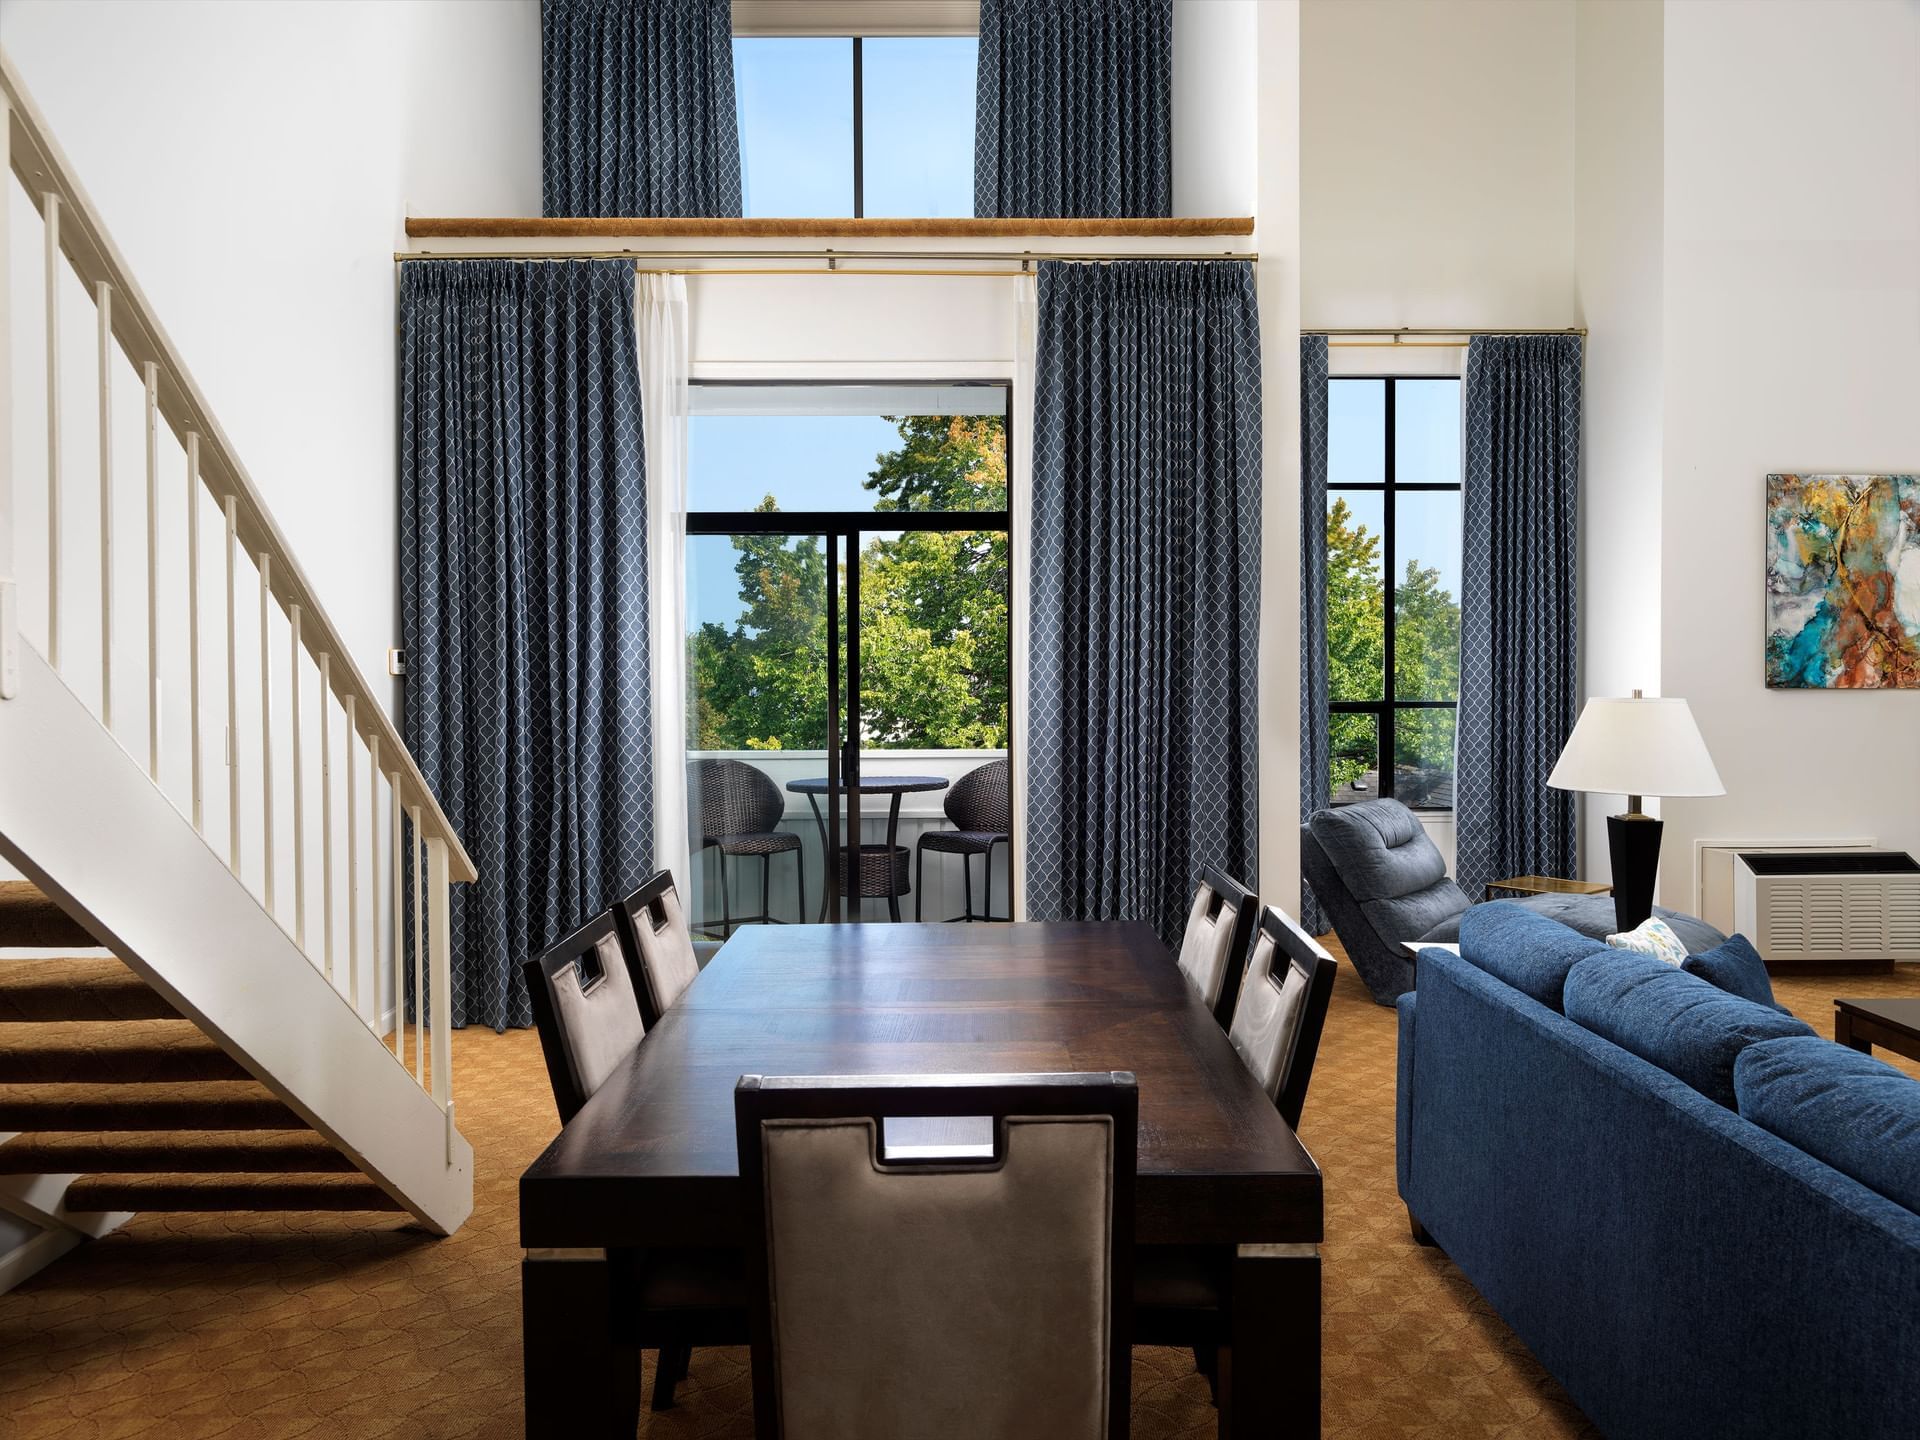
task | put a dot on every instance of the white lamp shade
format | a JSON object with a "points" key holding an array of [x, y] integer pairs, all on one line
{"points": [[1637, 747]]}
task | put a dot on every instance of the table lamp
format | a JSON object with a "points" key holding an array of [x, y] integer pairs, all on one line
{"points": [[1635, 747]]}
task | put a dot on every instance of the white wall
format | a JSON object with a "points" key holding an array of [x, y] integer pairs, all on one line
{"points": [[1792, 304], [1215, 108], [245, 159], [1436, 175], [1278, 238], [472, 128], [1617, 245]]}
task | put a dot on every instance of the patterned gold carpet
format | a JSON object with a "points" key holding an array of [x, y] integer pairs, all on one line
{"points": [[278, 1326]]}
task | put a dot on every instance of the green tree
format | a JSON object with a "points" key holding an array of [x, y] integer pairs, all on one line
{"points": [[1426, 656], [762, 684], [1356, 641], [933, 615]]}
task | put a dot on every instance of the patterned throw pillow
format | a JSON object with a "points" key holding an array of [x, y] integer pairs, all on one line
{"points": [[1652, 936]]}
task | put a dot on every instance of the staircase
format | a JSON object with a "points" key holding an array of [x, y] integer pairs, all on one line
{"points": [[106, 1081], [200, 1004]]}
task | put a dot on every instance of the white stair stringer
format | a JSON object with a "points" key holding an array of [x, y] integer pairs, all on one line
{"points": [[79, 817]]}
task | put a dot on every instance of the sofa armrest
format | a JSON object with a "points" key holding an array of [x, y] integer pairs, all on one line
{"points": [[1403, 1095]]}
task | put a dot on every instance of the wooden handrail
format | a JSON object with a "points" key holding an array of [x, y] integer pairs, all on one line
{"points": [[43, 170]]}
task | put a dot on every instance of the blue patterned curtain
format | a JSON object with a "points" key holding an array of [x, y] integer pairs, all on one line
{"points": [[1074, 109], [523, 599], [637, 102], [1314, 694], [1519, 640], [1142, 762]]}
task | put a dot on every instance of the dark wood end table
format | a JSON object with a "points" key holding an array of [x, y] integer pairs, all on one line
{"points": [[1892, 1024]]}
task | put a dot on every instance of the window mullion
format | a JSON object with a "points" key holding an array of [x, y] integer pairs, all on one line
{"points": [[859, 134], [1388, 731]]}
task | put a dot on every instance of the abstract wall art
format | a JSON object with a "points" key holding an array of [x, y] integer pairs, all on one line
{"points": [[1843, 582]]}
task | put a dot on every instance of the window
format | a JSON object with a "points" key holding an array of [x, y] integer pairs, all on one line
{"points": [[848, 563], [1393, 582], [854, 126]]}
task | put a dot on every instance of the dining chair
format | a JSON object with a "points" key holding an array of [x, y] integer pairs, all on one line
{"points": [[736, 809], [892, 1298], [653, 930], [588, 1015], [1183, 1294], [1214, 946], [585, 1009], [1282, 1010], [980, 805]]}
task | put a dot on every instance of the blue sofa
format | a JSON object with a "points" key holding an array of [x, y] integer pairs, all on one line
{"points": [[1682, 1271]]}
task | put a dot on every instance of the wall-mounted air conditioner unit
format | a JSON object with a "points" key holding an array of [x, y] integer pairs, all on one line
{"points": [[1834, 905]]}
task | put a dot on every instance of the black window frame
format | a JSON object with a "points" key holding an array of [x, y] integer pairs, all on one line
{"points": [[843, 532], [1388, 487]]}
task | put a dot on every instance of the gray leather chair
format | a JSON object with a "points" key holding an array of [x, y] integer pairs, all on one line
{"points": [[653, 928], [1213, 947], [901, 1299], [1282, 1010], [1381, 881]]}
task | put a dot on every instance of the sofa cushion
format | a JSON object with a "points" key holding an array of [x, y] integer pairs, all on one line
{"points": [[1380, 849], [1672, 1019], [1735, 967], [1593, 915], [1856, 1113], [1528, 951]]}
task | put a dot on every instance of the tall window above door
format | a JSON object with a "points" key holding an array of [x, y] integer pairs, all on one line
{"points": [[1393, 588], [837, 126]]}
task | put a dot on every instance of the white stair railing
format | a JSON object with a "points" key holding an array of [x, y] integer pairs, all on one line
{"points": [[74, 241]]}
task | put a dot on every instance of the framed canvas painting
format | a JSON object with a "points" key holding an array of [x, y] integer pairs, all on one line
{"points": [[1843, 582]]}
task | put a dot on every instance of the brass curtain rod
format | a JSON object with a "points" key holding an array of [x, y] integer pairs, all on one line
{"points": [[833, 259], [1391, 337]]}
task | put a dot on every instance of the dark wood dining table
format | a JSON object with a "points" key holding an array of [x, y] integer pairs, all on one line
{"points": [[651, 1160]]}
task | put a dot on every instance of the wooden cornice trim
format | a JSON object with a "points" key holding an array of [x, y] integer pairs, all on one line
{"points": [[556, 228]]}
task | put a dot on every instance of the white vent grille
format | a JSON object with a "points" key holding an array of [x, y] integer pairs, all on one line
{"points": [[1829, 917]]}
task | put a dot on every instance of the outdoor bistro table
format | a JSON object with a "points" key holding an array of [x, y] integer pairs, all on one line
{"points": [[880, 869]]}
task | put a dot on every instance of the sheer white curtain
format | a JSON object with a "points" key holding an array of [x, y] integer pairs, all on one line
{"points": [[1021, 478], [661, 302]]}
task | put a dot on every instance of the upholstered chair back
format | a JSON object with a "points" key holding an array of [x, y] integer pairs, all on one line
{"points": [[654, 929], [982, 799], [731, 797], [586, 1011], [1282, 1010], [976, 1298], [1214, 944]]}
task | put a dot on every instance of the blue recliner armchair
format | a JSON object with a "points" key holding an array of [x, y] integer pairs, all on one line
{"points": [[1381, 881]]}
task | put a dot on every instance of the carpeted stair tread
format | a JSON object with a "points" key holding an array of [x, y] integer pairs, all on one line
{"points": [[117, 1052], [28, 917], [227, 1192], [77, 988], [271, 1152], [203, 1105]]}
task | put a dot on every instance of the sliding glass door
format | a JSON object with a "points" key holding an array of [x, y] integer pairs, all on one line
{"points": [[847, 572]]}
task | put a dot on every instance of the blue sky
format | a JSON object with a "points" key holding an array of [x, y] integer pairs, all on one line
{"points": [[795, 102], [1427, 448], [806, 462]]}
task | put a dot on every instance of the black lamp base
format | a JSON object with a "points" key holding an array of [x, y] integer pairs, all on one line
{"points": [[1634, 843]]}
